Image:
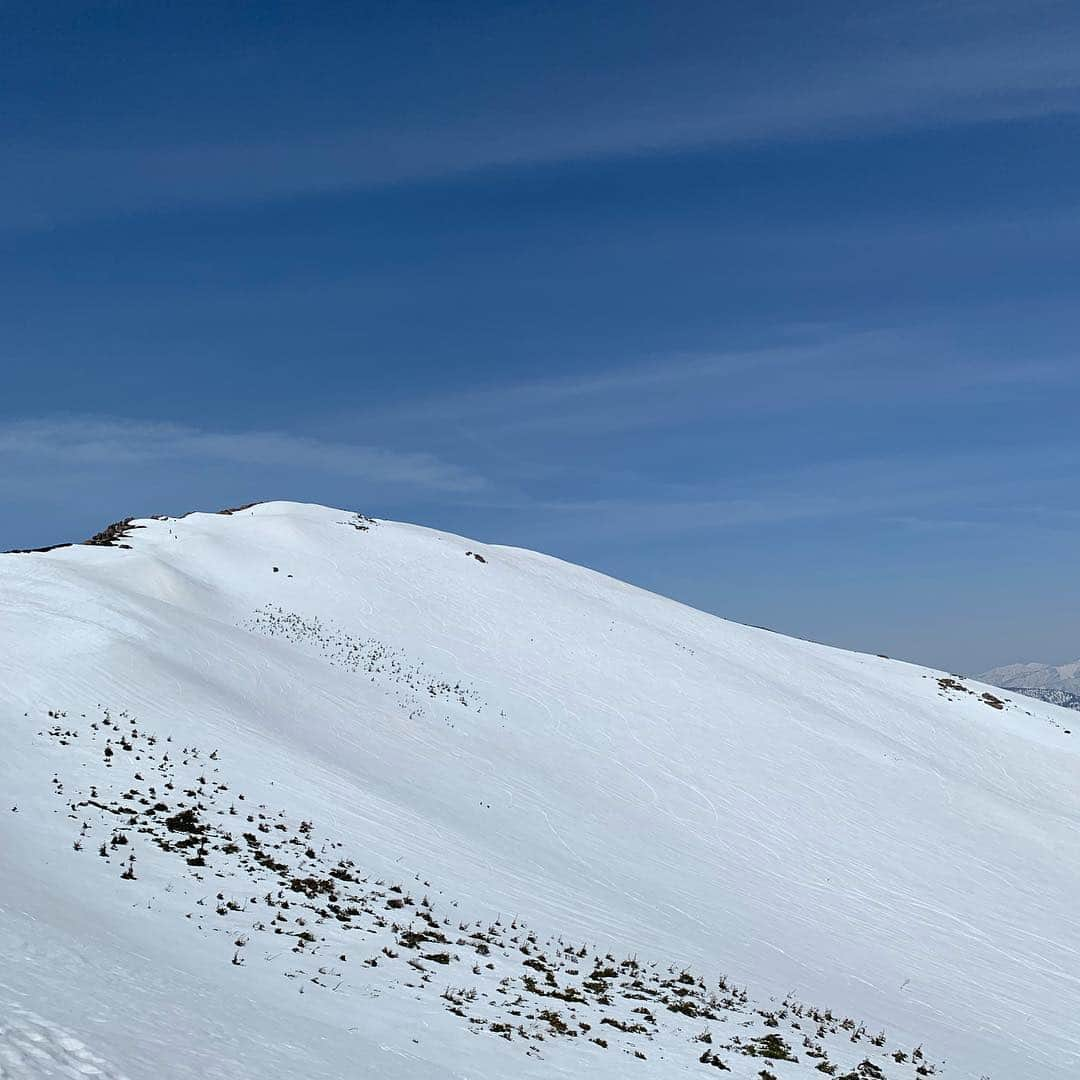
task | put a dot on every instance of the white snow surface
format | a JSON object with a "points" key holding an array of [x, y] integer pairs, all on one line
{"points": [[515, 738]]}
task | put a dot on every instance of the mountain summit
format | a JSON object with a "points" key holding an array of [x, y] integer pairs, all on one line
{"points": [[292, 792], [1036, 677], [1056, 685]]}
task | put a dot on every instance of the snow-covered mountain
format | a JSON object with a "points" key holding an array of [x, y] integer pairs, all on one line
{"points": [[289, 792], [1044, 682], [1036, 677], [1064, 698]]}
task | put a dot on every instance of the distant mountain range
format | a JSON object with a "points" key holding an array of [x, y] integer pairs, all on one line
{"points": [[1055, 697], [1057, 685]]}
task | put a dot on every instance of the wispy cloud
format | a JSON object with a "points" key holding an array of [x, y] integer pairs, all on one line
{"points": [[952, 74], [978, 491], [79, 443], [822, 365]]}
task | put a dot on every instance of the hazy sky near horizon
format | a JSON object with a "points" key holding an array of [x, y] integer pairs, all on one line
{"points": [[769, 307]]}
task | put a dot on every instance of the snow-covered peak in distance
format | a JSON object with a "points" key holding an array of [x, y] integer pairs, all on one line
{"points": [[1036, 677], [292, 792]]}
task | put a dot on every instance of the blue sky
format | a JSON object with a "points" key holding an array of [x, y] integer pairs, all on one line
{"points": [[768, 307]]}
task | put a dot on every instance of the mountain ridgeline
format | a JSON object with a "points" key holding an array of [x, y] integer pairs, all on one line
{"points": [[292, 791], [1045, 682]]}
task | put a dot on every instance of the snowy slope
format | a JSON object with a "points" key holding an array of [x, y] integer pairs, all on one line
{"points": [[430, 756], [1064, 698]]}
